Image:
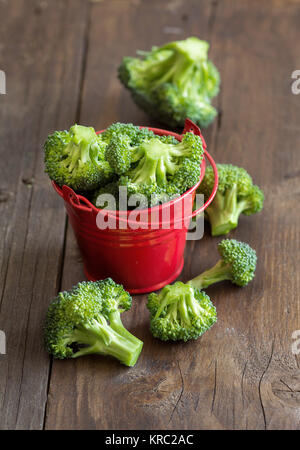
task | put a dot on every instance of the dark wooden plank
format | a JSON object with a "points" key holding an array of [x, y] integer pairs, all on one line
{"points": [[42, 59], [241, 374]]}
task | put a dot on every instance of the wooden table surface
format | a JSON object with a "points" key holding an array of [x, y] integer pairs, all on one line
{"points": [[60, 59]]}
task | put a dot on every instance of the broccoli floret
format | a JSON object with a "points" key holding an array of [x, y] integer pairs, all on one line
{"points": [[135, 134], [143, 195], [76, 158], [86, 320], [168, 139], [174, 82], [159, 162], [237, 264], [236, 194], [180, 312], [174, 106], [158, 169], [124, 141], [120, 153]]}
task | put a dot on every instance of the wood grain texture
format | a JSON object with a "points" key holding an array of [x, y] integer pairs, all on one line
{"points": [[40, 57], [242, 373]]}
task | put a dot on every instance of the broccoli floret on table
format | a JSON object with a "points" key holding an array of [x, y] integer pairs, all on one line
{"points": [[87, 320], [182, 311], [236, 194], [237, 264]]}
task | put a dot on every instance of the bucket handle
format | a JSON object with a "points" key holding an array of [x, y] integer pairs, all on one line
{"points": [[76, 200], [191, 127]]}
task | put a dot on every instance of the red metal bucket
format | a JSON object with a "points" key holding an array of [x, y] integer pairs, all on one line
{"points": [[143, 259]]}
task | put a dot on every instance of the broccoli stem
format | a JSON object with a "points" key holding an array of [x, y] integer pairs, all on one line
{"points": [[145, 171], [78, 149], [178, 67], [84, 152], [178, 72], [183, 310], [166, 300], [220, 272], [117, 325], [224, 213], [172, 312], [157, 160], [99, 337]]}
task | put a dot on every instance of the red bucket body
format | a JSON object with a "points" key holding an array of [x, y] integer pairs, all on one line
{"points": [[143, 259]]}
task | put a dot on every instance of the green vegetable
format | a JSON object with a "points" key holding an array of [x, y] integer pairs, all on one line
{"points": [[174, 82], [124, 141], [76, 158], [87, 320], [157, 168], [236, 194], [182, 311], [237, 264], [133, 132]]}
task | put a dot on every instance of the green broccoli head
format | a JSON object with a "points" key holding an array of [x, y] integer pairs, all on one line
{"points": [[237, 264], [123, 140], [236, 194], [76, 158], [86, 320], [159, 162], [174, 107], [119, 153], [174, 82], [180, 312], [160, 168], [135, 134]]}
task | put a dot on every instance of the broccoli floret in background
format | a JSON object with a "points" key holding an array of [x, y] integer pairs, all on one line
{"points": [[236, 194], [87, 320], [76, 158], [174, 82], [182, 311]]}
